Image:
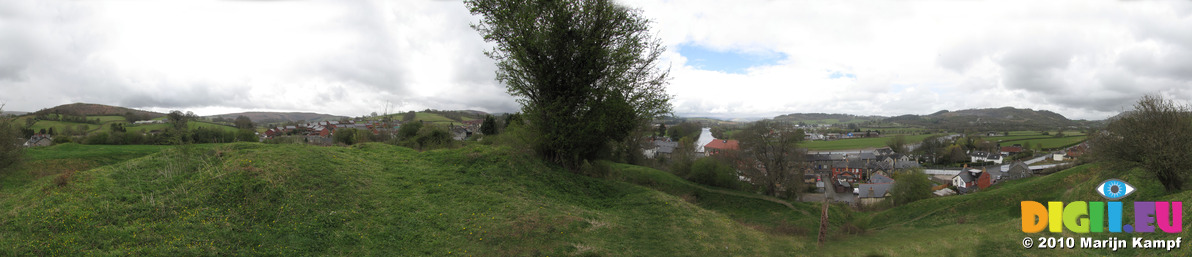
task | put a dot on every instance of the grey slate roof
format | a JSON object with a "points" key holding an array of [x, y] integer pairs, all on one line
{"points": [[1018, 170], [666, 146], [965, 176], [995, 173], [879, 178]]}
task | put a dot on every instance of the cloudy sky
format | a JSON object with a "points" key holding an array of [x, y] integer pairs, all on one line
{"points": [[1082, 59]]}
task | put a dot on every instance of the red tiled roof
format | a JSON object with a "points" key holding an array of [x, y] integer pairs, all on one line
{"points": [[723, 144], [1012, 149]]}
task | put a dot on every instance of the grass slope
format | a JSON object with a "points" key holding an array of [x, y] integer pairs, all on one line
{"points": [[375, 199], [988, 223]]}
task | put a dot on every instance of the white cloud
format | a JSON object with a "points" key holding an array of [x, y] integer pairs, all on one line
{"points": [[1082, 59]]}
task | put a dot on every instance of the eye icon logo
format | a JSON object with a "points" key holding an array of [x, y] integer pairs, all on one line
{"points": [[1114, 189]]}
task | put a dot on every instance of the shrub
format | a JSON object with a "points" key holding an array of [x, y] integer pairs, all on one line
{"points": [[599, 169], [713, 172], [409, 130], [910, 186], [96, 139], [345, 136]]}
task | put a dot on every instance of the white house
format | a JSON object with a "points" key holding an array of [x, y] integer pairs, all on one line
{"points": [[980, 156]]}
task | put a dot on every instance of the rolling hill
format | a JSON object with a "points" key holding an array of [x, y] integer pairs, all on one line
{"points": [[825, 118], [992, 119], [96, 110]]}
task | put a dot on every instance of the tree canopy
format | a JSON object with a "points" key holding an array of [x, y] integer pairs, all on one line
{"points": [[585, 72], [1155, 135], [10, 141], [774, 148]]}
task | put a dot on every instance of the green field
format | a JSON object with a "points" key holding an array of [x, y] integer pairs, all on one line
{"points": [[895, 131], [858, 143], [191, 125], [51, 160], [376, 199], [1048, 143], [1036, 133], [107, 119], [59, 126]]}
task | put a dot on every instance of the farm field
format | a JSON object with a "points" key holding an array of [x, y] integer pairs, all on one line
{"points": [[191, 125], [1049, 143]]}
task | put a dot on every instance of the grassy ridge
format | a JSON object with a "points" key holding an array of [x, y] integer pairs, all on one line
{"points": [[988, 223], [373, 199]]}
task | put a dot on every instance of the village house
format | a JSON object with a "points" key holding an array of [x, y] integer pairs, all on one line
{"points": [[141, 122], [1018, 170], [822, 161], [1011, 150], [989, 177], [873, 193], [982, 156], [965, 181], [662, 148], [39, 140], [721, 146]]}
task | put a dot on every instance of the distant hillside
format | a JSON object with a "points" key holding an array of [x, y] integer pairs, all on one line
{"points": [[97, 110], [1005, 118], [825, 118], [4, 113], [279, 117]]}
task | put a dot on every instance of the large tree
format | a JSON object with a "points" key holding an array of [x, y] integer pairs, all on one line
{"points": [[489, 126], [243, 122], [910, 186], [585, 71], [10, 141], [770, 151], [897, 143], [1156, 135]]}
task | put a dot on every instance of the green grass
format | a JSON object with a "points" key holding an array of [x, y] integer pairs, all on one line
{"points": [[857, 143], [373, 199], [1052, 142], [988, 223], [376, 199], [106, 119], [60, 126], [191, 125], [52, 160]]}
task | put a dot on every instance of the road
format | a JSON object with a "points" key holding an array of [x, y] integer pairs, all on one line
{"points": [[830, 191]]}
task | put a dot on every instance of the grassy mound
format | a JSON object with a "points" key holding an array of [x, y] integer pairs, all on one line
{"points": [[375, 199]]}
